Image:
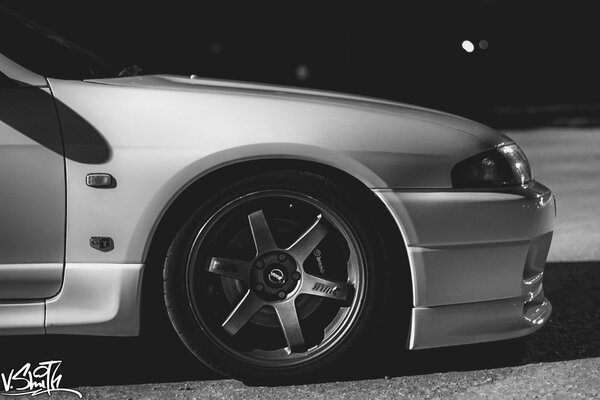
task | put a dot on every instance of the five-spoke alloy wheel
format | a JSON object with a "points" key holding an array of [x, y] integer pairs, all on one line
{"points": [[272, 278]]}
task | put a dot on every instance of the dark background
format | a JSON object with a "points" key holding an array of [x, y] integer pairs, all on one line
{"points": [[541, 64]]}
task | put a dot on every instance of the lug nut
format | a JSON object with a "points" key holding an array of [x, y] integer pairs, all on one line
{"points": [[296, 275], [281, 257], [281, 295], [260, 264], [260, 287]]}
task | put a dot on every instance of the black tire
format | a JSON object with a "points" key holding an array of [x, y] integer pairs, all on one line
{"points": [[200, 293]]}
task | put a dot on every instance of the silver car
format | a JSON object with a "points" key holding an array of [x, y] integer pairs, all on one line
{"points": [[281, 229]]}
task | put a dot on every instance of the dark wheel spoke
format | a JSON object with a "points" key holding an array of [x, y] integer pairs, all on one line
{"points": [[263, 240], [242, 313], [236, 269], [302, 247], [288, 317], [316, 286]]}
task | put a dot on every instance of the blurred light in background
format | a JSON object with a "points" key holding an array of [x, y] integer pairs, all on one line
{"points": [[483, 44], [302, 73], [468, 46]]}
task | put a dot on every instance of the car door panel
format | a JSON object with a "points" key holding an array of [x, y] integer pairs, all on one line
{"points": [[32, 193]]}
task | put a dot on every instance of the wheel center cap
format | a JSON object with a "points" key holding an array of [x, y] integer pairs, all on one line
{"points": [[276, 276]]}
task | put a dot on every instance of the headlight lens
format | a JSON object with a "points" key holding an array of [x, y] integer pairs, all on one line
{"points": [[505, 165]]}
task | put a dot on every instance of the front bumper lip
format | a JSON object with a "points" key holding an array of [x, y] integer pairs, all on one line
{"points": [[477, 261], [476, 322]]}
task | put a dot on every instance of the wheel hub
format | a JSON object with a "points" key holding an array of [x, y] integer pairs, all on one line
{"points": [[274, 275]]}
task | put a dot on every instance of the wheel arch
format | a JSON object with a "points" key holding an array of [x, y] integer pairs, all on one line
{"points": [[184, 203]]}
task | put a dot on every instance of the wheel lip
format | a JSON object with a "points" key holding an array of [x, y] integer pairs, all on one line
{"points": [[348, 319]]}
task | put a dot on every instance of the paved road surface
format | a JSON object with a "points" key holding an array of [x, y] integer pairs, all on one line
{"points": [[568, 161], [561, 361]]}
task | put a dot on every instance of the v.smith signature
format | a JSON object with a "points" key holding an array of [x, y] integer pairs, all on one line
{"points": [[27, 381]]}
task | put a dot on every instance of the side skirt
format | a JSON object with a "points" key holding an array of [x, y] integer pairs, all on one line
{"points": [[95, 299]]}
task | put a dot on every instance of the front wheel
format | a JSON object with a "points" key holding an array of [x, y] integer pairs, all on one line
{"points": [[277, 277]]}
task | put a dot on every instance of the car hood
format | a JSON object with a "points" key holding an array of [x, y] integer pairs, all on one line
{"points": [[175, 82]]}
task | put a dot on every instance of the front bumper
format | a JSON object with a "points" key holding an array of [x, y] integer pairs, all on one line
{"points": [[477, 262]]}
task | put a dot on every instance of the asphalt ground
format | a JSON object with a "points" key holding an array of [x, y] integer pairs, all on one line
{"points": [[562, 360]]}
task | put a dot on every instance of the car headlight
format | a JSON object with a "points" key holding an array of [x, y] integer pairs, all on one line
{"points": [[505, 165]]}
